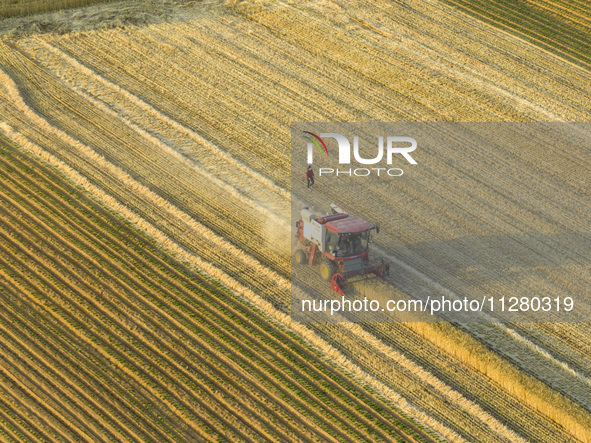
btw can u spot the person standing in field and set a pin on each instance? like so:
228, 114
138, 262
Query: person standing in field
310, 176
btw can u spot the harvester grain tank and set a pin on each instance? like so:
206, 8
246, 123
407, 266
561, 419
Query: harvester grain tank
339, 244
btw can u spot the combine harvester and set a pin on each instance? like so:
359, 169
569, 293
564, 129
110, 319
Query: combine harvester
340, 243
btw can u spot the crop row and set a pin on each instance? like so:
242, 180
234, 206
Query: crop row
115, 205
556, 33
272, 25
152, 205
108, 318
63, 288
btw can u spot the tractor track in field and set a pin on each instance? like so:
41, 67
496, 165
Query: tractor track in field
569, 343
498, 60
459, 380
424, 355
459, 376
146, 197
168, 196
373, 69
145, 118
571, 384
168, 106
404, 348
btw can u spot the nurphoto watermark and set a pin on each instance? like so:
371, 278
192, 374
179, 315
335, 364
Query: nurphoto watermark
458, 222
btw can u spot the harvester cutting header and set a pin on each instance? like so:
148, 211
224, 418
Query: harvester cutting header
339, 242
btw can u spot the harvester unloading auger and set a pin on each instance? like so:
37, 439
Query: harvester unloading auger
339, 242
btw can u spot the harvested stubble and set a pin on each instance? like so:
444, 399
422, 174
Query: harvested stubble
98, 162
12, 8
187, 359
228, 83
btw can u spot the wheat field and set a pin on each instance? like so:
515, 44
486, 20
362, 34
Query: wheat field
146, 192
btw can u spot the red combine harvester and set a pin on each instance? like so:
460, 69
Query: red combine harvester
340, 243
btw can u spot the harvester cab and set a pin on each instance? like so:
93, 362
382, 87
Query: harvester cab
339, 243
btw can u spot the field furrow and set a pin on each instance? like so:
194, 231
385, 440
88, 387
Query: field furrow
573, 12
81, 356
526, 20
42, 391
108, 345
78, 373
12, 418
46, 420
10, 429
116, 325
83, 282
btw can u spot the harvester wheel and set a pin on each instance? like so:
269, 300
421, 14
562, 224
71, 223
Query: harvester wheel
327, 269
300, 256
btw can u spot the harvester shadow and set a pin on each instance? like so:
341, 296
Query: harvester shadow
478, 261
520, 265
